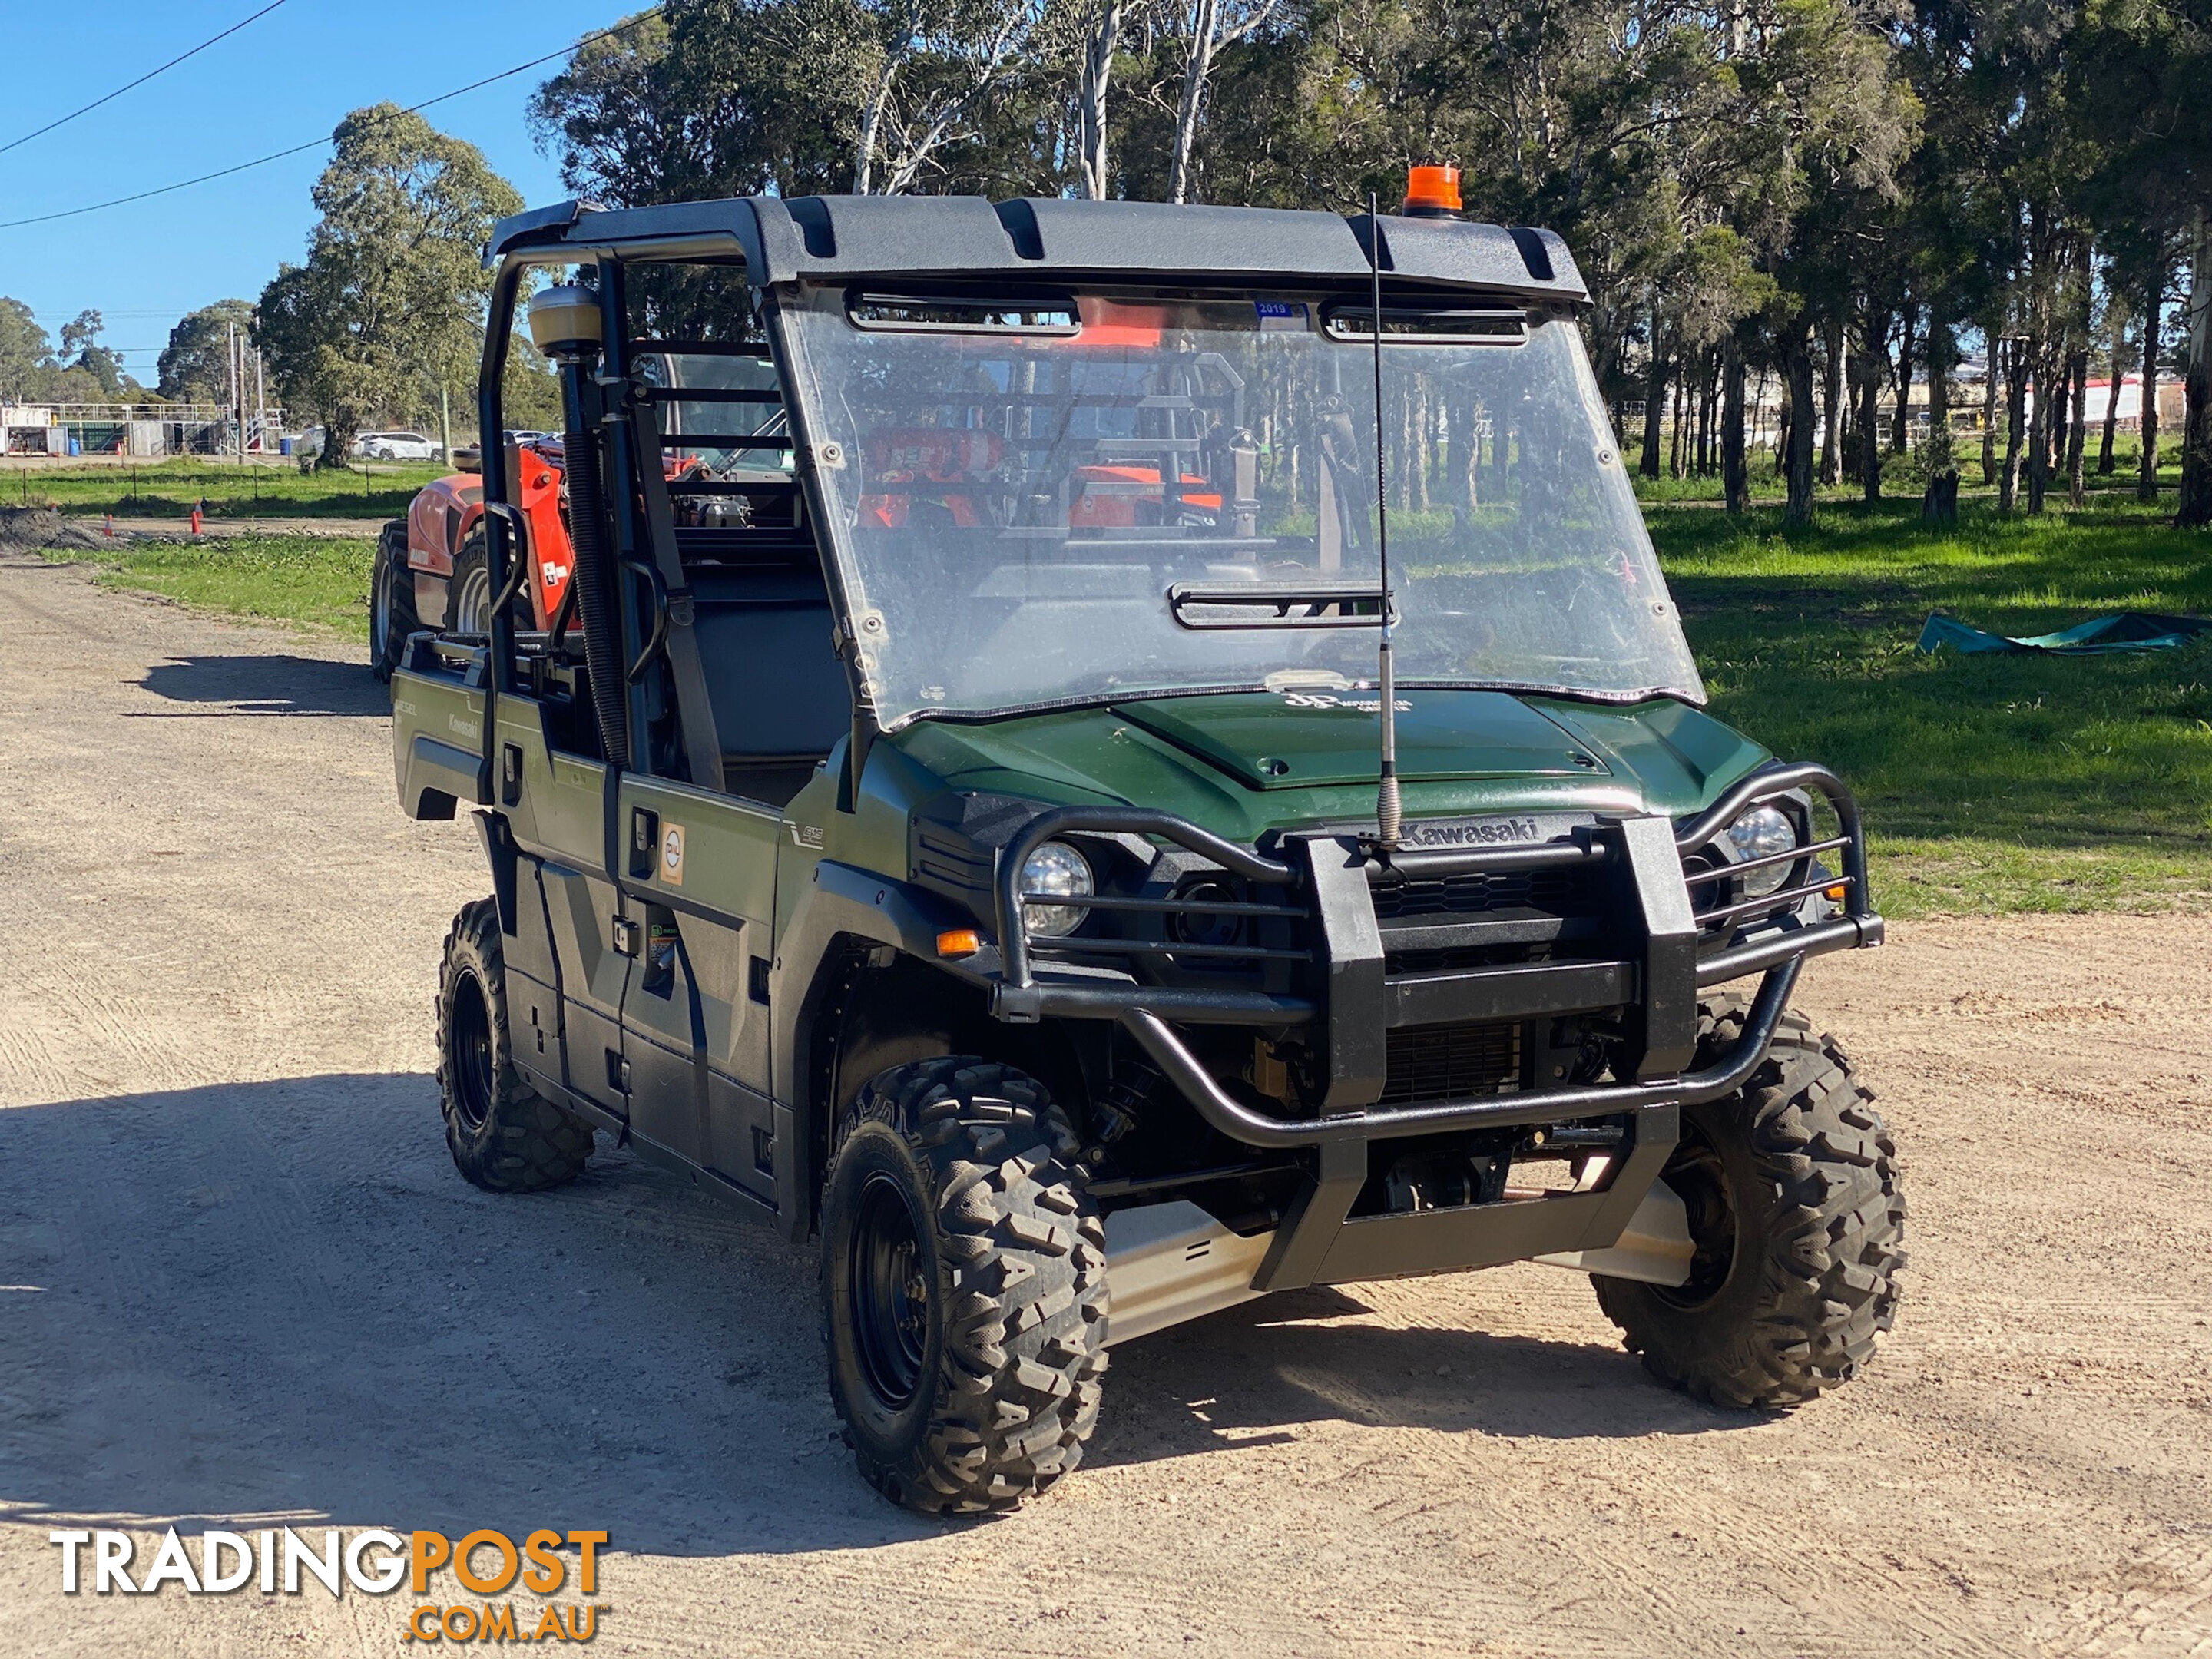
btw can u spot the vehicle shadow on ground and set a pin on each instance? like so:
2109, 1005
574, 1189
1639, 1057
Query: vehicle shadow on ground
256, 1303
273, 685
1252, 1375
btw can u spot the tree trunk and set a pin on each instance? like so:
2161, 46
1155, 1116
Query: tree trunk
1939, 502
2078, 372
1755, 416
1832, 404
2048, 401
2112, 393
1674, 439
1798, 360
872, 121
1460, 456
340, 428
2196, 428
1198, 69
1735, 476
1706, 396
1870, 417
1847, 438
1709, 409
1940, 350
2147, 484
1654, 402
1090, 97
1900, 431
2015, 355
1992, 349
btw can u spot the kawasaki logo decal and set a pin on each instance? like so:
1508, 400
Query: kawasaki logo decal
1532, 830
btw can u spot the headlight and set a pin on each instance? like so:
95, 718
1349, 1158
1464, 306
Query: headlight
1057, 869
1758, 833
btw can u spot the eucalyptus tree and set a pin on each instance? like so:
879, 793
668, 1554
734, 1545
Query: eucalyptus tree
1208, 28
26, 354
392, 299
2144, 71
194, 367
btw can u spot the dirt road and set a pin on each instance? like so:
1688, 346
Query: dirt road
181, 529
241, 1283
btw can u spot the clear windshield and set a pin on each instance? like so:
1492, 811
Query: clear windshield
1103, 497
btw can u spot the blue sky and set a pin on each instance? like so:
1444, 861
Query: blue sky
283, 80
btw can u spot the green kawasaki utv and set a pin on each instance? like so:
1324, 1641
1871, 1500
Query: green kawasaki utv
942, 817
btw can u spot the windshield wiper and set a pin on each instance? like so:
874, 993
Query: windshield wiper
1276, 604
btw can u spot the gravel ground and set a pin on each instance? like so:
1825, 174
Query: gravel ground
244, 1286
26, 529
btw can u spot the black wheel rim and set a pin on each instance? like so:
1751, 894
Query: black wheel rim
1700, 1180
468, 1052
889, 1295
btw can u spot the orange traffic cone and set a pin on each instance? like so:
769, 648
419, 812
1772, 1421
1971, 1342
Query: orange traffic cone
196, 520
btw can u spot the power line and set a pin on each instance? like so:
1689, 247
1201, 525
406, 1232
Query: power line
317, 143
103, 311
142, 79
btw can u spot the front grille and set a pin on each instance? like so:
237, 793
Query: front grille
1561, 892
1451, 1062
1463, 958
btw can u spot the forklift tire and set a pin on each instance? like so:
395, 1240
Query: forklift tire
391, 614
963, 1284
468, 593
1792, 1190
504, 1135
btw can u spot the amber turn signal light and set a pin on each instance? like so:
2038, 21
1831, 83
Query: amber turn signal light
959, 942
1836, 894
1432, 191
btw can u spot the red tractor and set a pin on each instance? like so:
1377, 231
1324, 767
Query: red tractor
432, 567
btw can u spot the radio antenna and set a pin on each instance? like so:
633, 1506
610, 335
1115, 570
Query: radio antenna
1387, 814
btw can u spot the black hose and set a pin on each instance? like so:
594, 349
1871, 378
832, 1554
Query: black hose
593, 577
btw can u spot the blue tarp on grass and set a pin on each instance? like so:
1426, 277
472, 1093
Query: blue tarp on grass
2130, 630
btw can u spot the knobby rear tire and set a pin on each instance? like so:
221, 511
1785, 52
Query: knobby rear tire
504, 1135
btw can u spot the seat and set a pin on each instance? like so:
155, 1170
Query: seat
780, 697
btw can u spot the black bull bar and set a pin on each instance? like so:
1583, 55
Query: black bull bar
1677, 955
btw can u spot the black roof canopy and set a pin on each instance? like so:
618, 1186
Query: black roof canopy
845, 237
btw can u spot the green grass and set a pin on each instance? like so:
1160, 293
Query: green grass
169, 489
1991, 783
309, 582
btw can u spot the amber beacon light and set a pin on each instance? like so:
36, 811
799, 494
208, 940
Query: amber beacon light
1432, 192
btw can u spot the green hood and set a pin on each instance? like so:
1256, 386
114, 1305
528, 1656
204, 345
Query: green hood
1244, 763
1301, 738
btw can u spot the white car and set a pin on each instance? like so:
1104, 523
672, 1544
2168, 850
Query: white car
397, 447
